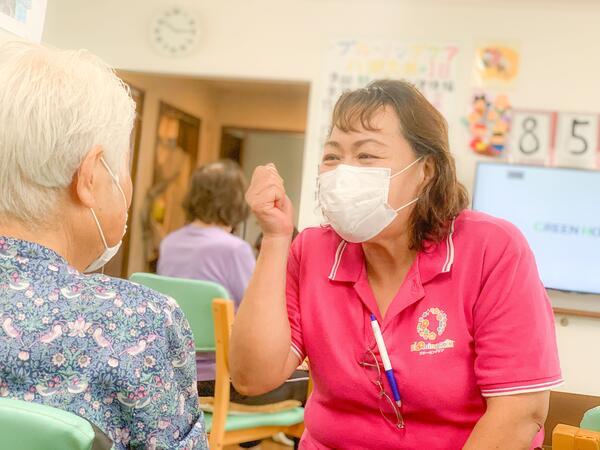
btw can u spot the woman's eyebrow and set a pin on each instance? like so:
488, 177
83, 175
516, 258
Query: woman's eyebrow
362, 142
334, 144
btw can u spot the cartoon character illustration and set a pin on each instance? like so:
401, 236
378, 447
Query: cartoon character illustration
489, 124
497, 63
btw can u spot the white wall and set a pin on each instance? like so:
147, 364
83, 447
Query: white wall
285, 39
286, 151
578, 339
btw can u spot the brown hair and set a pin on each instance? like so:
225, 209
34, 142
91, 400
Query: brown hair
216, 194
426, 130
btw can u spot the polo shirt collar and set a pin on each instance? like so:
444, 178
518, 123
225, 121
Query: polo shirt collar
347, 263
433, 260
437, 258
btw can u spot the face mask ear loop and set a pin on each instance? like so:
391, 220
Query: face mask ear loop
108, 169
99, 228
412, 202
115, 179
407, 167
99, 231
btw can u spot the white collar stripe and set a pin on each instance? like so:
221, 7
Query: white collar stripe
338, 258
527, 386
449, 251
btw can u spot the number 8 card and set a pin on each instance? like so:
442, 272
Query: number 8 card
531, 139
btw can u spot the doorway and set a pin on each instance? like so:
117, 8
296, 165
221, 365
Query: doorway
205, 110
177, 140
251, 148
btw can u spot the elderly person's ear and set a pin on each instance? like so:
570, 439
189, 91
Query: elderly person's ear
86, 181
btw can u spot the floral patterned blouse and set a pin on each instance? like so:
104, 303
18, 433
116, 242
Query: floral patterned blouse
112, 351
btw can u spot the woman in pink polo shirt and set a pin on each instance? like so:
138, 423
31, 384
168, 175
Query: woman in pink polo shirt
426, 324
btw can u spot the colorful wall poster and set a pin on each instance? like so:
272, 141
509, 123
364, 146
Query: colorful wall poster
352, 64
496, 65
489, 124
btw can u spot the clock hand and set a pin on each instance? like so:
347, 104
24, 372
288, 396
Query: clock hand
176, 30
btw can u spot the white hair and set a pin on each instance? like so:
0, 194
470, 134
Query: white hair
55, 107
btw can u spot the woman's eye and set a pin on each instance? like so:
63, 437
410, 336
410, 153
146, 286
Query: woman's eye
330, 157
366, 156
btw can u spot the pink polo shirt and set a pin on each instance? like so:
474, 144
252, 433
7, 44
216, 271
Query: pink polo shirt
471, 320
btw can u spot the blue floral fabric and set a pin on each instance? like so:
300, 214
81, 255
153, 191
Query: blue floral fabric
112, 351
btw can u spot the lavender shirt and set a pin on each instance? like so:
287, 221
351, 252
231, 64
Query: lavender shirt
209, 254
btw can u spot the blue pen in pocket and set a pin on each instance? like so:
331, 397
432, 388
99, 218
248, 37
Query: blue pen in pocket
387, 365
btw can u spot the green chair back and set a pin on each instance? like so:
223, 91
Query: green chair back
29, 426
591, 419
195, 300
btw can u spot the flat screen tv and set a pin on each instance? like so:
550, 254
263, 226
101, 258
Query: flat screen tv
558, 211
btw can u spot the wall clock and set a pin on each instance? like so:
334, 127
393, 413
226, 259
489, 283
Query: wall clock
175, 31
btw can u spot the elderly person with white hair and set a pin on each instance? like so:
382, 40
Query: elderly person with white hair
114, 352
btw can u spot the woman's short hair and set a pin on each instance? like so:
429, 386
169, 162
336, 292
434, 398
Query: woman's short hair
216, 194
55, 107
426, 130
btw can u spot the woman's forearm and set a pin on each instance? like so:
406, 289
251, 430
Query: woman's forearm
260, 356
490, 433
510, 423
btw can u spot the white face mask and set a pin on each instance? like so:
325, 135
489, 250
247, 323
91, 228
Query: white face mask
354, 200
109, 252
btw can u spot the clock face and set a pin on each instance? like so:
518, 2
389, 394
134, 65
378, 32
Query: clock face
175, 32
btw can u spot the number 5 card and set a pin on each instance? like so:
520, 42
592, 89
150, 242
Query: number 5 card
577, 140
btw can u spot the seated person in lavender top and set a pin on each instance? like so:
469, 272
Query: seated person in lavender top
205, 248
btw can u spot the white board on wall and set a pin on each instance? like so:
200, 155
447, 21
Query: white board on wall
352, 64
23, 18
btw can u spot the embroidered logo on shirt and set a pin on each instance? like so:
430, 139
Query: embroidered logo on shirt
427, 319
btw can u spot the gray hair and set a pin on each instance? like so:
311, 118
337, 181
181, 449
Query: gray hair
55, 107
